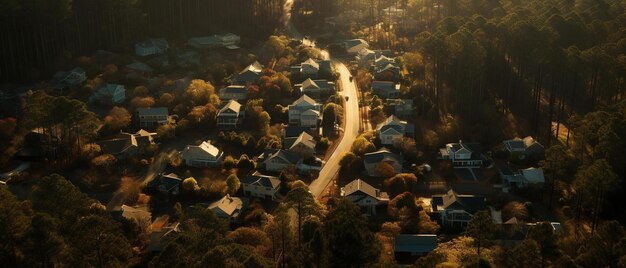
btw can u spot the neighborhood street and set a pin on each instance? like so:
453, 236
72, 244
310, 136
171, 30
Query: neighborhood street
351, 131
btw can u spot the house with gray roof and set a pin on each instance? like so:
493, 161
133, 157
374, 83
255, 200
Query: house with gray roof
521, 149
151, 47
521, 178
259, 185
249, 75
234, 92
305, 112
456, 210
303, 145
391, 130
125, 145
402, 108
230, 116
276, 160
109, 94
311, 69
166, 184
463, 155
353, 46
68, 79
385, 89
364, 195
228, 207
203, 155
373, 160
316, 89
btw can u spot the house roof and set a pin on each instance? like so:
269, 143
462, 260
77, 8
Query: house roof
168, 182
392, 122
287, 156
254, 67
388, 67
206, 148
515, 144
152, 111
355, 42
359, 185
118, 146
141, 214
309, 83
232, 105
304, 101
530, 142
311, 63
139, 66
304, 139
533, 175
418, 243
317, 84
227, 205
385, 86
295, 131
234, 89
452, 200
381, 155
260, 179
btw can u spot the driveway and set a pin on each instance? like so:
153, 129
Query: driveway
351, 131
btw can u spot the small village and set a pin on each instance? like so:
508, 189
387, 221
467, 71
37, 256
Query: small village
341, 147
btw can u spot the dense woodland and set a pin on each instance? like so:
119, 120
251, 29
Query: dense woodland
40, 36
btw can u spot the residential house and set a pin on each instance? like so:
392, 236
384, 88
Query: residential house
230, 116
109, 94
386, 89
521, 178
138, 69
203, 155
305, 112
188, 58
513, 231
523, 148
316, 89
389, 72
140, 215
463, 155
372, 161
259, 185
391, 130
276, 160
153, 116
228, 207
399, 107
303, 145
166, 184
409, 247
295, 131
353, 46
160, 237
365, 56
69, 79
229, 41
364, 195
125, 145
151, 47
382, 61
234, 92
249, 75
456, 210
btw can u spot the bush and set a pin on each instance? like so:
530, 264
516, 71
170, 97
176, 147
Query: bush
323, 144
190, 185
233, 184
403, 182
229, 163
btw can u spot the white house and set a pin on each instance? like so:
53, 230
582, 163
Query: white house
456, 210
278, 160
151, 47
228, 207
316, 88
373, 160
230, 115
391, 130
462, 155
109, 94
203, 155
234, 92
248, 75
305, 112
364, 195
303, 145
153, 117
259, 185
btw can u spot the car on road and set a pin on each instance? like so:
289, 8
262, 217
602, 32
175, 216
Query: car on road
346, 97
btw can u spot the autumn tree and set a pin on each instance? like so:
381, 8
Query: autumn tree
233, 184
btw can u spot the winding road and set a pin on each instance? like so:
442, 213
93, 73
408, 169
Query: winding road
351, 131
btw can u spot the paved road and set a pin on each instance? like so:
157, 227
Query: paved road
351, 131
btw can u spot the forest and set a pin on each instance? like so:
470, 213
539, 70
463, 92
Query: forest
40, 36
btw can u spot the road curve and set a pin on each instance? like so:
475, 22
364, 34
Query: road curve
351, 131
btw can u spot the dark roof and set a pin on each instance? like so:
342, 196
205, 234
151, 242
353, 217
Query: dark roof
288, 156
168, 181
264, 180
381, 155
452, 200
234, 89
420, 243
294, 131
117, 146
